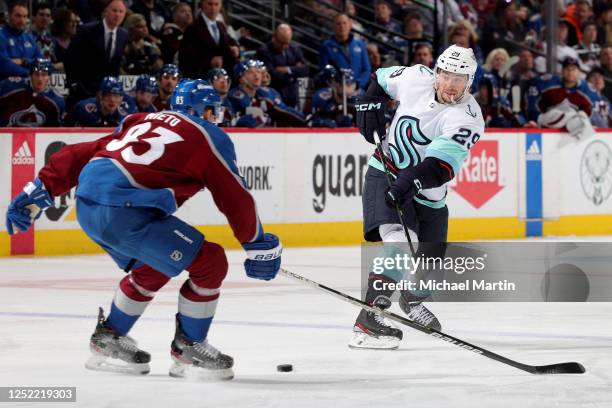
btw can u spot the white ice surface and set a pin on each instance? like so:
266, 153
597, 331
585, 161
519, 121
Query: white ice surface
48, 308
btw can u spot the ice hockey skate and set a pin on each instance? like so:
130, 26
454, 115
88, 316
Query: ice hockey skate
198, 361
418, 313
114, 352
371, 331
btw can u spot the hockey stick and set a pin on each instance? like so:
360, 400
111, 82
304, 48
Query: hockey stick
559, 368
398, 208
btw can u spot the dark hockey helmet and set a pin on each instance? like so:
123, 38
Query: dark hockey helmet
215, 73
146, 83
327, 74
111, 85
41, 64
242, 67
349, 76
169, 69
193, 96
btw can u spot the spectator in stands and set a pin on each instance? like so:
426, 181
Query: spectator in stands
145, 91
563, 50
155, 13
522, 75
88, 59
588, 50
105, 110
382, 18
206, 44
567, 101
253, 106
466, 29
342, 50
413, 29
63, 29
425, 9
168, 79
504, 28
495, 111
601, 109
220, 80
141, 55
578, 14
328, 104
492, 66
374, 56
41, 21
172, 32
31, 102
285, 63
605, 63
423, 54
351, 11
18, 49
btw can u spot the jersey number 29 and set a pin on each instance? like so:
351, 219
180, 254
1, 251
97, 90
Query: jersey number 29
157, 143
462, 138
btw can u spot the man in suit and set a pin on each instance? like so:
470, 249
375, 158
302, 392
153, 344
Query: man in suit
206, 44
95, 52
284, 62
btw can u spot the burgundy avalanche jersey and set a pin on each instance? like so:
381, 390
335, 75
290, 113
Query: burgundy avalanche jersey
20, 106
157, 160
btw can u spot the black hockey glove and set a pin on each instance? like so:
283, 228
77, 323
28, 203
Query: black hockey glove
371, 116
403, 190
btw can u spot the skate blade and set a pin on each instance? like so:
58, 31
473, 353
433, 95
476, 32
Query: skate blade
191, 373
104, 363
362, 340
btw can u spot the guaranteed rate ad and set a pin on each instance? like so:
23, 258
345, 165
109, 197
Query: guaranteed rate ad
491, 271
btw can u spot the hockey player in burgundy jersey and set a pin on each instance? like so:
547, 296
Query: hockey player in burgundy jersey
31, 102
129, 184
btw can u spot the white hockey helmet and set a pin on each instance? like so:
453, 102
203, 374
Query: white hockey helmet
458, 60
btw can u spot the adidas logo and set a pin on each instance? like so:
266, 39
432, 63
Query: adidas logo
533, 152
23, 155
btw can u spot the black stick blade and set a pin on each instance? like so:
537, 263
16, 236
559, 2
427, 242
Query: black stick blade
561, 368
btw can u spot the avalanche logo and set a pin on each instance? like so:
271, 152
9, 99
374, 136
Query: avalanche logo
30, 117
406, 134
478, 179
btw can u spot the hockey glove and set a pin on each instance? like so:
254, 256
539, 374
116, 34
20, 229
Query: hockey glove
27, 207
264, 257
405, 187
371, 116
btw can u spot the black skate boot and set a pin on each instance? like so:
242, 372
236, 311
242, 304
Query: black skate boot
199, 360
114, 352
371, 331
417, 312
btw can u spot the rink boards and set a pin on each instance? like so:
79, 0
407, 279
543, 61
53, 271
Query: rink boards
308, 187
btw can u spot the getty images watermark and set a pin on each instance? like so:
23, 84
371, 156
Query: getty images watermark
492, 271
417, 272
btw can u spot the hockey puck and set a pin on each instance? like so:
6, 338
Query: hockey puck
284, 368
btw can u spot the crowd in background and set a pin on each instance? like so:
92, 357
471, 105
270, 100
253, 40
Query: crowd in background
94, 42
